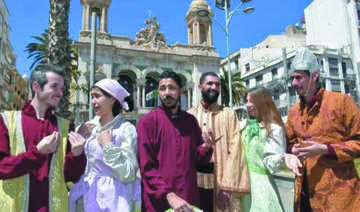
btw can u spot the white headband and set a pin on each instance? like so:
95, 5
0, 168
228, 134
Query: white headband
114, 88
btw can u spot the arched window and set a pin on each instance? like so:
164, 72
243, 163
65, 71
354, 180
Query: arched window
150, 94
184, 97
127, 80
127, 83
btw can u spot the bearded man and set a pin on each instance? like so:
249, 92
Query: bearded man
170, 147
222, 182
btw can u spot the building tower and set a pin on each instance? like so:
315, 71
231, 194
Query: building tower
102, 7
199, 21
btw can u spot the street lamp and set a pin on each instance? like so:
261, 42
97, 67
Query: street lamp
94, 13
225, 5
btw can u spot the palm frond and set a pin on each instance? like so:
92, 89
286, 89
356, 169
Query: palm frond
38, 50
238, 88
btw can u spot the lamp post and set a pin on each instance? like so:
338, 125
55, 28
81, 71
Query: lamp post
94, 13
225, 5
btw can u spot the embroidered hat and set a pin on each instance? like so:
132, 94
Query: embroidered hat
114, 88
304, 60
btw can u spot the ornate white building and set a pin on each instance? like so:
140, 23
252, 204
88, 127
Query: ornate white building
138, 64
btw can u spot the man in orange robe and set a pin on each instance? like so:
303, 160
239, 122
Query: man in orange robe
323, 130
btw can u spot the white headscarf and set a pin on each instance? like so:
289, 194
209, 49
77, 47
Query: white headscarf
114, 88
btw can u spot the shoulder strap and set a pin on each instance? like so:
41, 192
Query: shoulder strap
58, 198
14, 193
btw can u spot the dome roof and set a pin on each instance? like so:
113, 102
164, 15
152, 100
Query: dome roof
96, 3
199, 3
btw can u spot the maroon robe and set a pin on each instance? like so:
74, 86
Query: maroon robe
32, 161
170, 148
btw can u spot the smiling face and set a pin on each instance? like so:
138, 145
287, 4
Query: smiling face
210, 89
102, 104
52, 91
252, 111
169, 93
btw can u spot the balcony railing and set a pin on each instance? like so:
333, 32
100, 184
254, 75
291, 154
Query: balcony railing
350, 76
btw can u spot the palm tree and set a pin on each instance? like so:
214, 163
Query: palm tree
59, 48
238, 88
38, 50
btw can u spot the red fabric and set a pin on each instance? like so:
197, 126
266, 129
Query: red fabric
32, 161
170, 147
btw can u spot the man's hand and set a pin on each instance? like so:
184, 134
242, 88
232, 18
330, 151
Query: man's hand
105, 137
294, 150
177, 203
77, 142
224, 200
309, 149
49, 143
293, 163
85, 129
209, 139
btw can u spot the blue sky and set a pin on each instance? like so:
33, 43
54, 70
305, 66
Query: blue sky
127, 17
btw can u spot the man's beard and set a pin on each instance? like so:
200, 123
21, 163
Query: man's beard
170, 107
209, 99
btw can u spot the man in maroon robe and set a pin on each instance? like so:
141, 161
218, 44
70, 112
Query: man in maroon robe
170, 147
41, 138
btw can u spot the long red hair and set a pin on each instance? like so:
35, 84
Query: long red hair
266, 109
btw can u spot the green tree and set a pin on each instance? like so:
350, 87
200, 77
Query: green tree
59, 48
55, 47
238, 88
38, 50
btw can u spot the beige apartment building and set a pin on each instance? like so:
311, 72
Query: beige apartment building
18, 90
14, 89
334, 39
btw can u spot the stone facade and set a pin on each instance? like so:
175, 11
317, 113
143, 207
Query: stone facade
336, 74
340, 31
138, 64
18, 90
13, 88
268, 63
5, 56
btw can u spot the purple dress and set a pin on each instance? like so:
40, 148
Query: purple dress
109, 182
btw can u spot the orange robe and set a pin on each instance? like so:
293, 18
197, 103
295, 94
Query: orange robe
333, 183
231, 173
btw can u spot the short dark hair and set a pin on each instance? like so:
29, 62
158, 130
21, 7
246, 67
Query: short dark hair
39, 74
172, 75
204, 75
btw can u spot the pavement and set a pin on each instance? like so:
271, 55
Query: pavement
285, 182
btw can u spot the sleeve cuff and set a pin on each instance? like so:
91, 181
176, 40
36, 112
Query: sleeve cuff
290, 148
36, 152
331, 151
40, 157
107, 147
